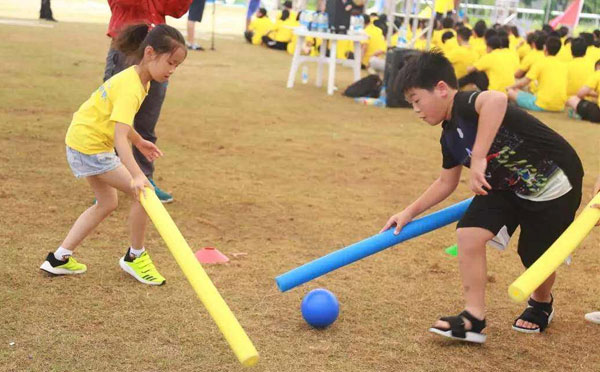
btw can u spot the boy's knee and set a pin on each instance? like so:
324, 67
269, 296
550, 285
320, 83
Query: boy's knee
471, 238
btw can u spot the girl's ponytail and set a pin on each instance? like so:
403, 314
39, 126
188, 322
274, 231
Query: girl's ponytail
130, 40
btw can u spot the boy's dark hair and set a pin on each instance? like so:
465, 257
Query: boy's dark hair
547, 28
287, 4
373, 14
568, 40
489, 33
540, 40
425, 71
285, 14
493, 42
578, 47
530, 38
447, 35
503, 36
515, 31
588, 37
458, 25
554, 34
367, 19
563, 31
135, 38
464, 33
480, 28
553, 45
298, 15
447, 22
398, 21
596, 33
262, 11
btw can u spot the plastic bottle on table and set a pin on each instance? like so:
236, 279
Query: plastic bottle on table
304, 74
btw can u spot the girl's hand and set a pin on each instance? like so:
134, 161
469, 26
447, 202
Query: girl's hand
399, 219
138, 184
478, 181
149, 150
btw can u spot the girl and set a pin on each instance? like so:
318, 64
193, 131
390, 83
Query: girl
104, 122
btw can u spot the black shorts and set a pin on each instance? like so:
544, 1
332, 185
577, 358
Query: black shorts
196, 10
588, 111
541, 222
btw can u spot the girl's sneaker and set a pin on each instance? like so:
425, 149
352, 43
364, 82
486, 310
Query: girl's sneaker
57, 267
141, 268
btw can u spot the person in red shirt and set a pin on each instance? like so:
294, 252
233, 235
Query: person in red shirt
151, 12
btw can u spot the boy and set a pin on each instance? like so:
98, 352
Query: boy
523, 173
260, 26
587, 110
463, 56
551, 76
496, 67
538, 40
579, 68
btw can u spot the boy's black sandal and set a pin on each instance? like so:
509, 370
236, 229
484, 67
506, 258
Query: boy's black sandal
540, 313
457, 329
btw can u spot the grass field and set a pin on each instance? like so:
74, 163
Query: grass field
282, 175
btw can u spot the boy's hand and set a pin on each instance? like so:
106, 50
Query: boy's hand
478, 181
138, 185
399, 219
149, 150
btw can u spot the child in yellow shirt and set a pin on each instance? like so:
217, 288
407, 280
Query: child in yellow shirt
587, 110
551, 75
259, 27
463, 55
104, 123
281, 34
579, 68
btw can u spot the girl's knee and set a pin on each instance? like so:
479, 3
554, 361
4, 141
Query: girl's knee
107, 205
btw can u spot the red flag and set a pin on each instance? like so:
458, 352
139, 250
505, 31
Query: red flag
570, 17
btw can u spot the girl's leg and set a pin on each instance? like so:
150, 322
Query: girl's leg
473, 270
137, 216
106, 202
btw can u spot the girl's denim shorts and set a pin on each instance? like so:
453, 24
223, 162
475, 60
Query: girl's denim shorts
84, 165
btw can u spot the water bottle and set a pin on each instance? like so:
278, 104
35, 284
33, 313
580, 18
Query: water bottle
352, 25
312, 21
303, 20
325, 23
401, 38
361, 23
304, 74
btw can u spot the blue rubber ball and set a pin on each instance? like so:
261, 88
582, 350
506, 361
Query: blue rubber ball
320, 308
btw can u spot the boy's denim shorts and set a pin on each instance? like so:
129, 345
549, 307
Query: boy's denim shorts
527, 101
84, 165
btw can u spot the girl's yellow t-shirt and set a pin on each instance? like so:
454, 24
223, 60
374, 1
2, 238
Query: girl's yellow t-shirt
92, 130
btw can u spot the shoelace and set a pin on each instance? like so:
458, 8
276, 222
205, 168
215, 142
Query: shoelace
144, 261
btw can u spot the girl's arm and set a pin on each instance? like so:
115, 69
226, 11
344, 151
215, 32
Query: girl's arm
126, 156
147, 148
491, 107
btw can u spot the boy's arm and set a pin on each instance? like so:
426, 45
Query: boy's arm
584, 91
439, 190
521, 83
491, 107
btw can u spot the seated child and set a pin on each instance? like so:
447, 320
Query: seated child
587, 110
258, 27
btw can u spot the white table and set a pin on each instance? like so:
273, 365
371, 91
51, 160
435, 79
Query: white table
298, 59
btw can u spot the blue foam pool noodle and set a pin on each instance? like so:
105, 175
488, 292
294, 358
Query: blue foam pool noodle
369, 246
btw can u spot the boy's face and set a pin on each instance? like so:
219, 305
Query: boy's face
431, 106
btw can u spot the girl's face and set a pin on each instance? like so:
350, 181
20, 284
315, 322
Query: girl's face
162, 66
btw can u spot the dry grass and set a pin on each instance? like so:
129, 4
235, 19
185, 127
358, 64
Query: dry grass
282, 175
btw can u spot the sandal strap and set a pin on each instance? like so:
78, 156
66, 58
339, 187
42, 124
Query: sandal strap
457, 326
476, 324
537, 313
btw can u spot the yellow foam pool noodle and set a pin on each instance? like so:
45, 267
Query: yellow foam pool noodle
205, 289
536, 274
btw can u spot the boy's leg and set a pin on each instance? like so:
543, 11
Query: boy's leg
473, 270
573, 101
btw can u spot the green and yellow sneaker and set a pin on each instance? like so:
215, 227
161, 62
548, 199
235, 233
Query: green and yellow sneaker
57, 267
141, 268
